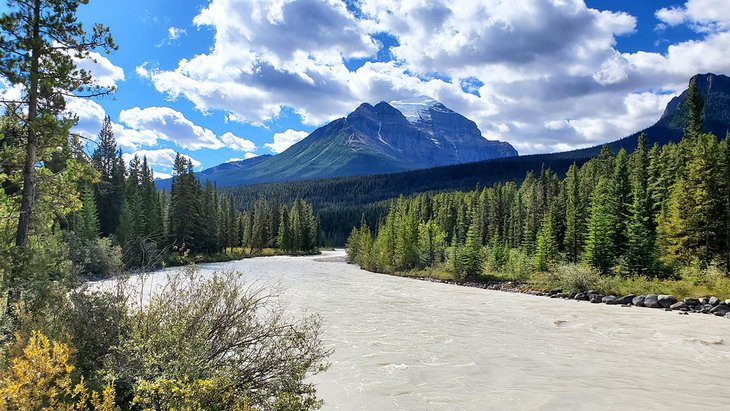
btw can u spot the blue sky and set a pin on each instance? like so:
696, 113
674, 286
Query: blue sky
221, 79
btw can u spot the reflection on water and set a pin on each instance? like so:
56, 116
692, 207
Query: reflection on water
415, 345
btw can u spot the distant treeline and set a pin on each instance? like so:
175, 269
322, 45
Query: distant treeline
647, 213
124, 206
341, 202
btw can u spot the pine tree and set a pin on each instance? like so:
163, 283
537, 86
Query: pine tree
693, 104
620, 192
547, 248
431, 244
468, 259
109, 191
86, 221
284, 241
599, 247
42, 41
575, 216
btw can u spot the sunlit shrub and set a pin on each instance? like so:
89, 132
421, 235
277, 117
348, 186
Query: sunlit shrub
574, 277
41, 377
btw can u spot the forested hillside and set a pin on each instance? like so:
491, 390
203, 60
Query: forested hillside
654, 212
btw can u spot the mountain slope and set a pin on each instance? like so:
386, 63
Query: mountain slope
371, 140
341, 200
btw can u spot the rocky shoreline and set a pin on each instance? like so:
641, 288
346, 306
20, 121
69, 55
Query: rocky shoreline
701, 305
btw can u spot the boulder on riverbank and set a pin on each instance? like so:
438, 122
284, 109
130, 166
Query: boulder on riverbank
720, 310
652, 301
680, 305
595, 298
610, 300
666, 301
638, 301
627, 299
581, 297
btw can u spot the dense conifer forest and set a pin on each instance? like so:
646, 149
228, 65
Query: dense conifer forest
121, 205
651, 213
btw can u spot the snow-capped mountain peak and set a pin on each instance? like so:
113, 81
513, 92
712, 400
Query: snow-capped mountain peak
416, 109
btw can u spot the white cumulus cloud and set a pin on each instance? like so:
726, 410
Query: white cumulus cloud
703, 16
237, 143
163, 158
169, 124
284, 140
102, 70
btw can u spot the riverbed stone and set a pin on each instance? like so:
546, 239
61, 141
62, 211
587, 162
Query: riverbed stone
720, 310
666, 300
679, 305
692, 301
638, 301
652, 301
581, 297
595, 298
706, 308
610, 300
727, 302
713, 301
627, 299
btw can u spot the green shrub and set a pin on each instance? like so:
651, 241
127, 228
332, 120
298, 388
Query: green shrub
95, 258
193, 329
576, 278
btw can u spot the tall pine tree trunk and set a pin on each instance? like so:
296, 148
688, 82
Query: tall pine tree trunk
29, 182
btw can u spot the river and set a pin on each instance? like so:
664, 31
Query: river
415, 345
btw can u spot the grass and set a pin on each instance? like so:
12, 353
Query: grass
237, 253
690, 282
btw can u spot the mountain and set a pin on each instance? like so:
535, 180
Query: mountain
342, 201
715, 92
385, 138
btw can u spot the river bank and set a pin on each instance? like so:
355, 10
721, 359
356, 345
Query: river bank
707, 304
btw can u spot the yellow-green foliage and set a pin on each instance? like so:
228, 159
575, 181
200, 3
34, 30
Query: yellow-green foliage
692, 282
183, 394
41, 378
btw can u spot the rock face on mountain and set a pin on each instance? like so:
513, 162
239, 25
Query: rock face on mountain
422, 133
715, 92
407, 135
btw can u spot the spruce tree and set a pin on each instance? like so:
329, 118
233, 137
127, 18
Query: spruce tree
468, 259
621, 195
702, 186
86, 220
109, 191
575, 216
641, 255
547, 248
693, 104
599, 247
284, 241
